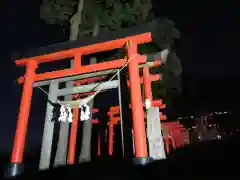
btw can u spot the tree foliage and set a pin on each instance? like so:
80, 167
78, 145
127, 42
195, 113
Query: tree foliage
114, 15
57, 11
170, 84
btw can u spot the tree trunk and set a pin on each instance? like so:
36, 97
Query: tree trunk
85, 154
61, 154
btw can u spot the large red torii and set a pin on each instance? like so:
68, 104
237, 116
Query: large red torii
31, 77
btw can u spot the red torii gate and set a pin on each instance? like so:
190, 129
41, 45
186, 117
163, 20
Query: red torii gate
176, 134
31, 76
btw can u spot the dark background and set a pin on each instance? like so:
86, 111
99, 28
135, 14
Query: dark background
208, 49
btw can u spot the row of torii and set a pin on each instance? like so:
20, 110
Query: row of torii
174, 133
84, 72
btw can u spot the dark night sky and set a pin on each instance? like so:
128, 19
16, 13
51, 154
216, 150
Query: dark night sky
208, 49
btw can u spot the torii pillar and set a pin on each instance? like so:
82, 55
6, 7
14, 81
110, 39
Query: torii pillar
139, 129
